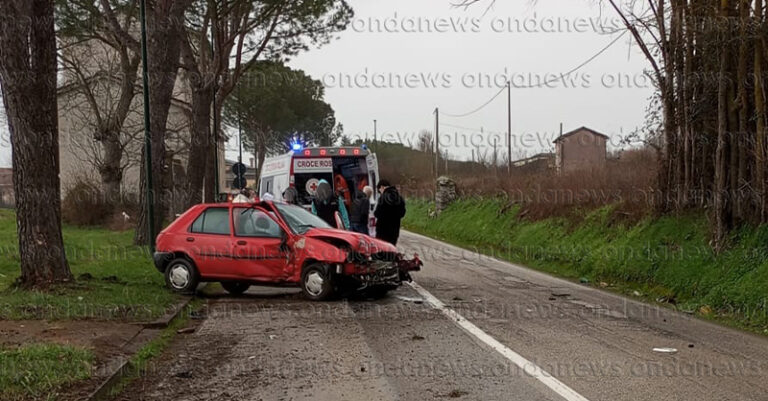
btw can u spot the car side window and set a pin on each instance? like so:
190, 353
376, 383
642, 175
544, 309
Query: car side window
212, 221
255, 223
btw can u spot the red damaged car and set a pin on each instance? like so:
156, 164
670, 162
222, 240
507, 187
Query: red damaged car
270, 243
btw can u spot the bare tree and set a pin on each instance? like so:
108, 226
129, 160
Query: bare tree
243, 33
101, 60
165, 27
426, 142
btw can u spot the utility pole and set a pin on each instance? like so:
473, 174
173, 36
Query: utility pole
240, 137
437, 142
215, 119
495, 157
147, 134
375, 134
509, 127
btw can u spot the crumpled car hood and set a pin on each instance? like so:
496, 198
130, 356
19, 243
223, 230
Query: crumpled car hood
359, 242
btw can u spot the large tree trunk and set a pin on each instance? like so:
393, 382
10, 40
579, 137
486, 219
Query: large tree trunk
211, 191
165, 27
28, 75
111, 169
200, 144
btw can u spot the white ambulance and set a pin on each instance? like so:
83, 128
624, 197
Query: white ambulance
347, 169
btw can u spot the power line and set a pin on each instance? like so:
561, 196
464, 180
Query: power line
477, 109
561, 77
580, 66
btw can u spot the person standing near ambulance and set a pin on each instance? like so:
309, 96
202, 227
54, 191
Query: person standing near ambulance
361, 209
389, 211
326, 204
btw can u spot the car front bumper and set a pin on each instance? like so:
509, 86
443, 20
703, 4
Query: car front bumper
389, 273
161, 260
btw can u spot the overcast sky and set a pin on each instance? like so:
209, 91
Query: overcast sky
400, 59
526, 41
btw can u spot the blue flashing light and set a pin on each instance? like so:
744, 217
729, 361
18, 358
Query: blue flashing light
365, 147
296, 147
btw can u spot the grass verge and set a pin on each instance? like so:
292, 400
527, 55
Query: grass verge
115, 280
39, 371
666, 259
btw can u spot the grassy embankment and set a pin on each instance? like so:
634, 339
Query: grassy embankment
114, 281
665, 259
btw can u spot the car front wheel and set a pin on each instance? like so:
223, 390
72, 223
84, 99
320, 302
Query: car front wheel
317, 283
235, 287
181, 276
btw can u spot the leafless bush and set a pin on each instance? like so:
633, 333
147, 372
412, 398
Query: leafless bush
628, 182
85, 205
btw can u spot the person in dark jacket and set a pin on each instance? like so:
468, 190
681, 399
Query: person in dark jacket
361, 208
389, 211
326, 204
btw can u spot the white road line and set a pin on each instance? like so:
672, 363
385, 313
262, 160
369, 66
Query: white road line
527, 366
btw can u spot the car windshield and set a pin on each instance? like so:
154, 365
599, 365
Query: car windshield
299, 219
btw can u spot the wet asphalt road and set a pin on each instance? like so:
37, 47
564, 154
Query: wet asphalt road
270, 344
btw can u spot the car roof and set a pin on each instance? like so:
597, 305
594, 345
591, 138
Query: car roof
256, 202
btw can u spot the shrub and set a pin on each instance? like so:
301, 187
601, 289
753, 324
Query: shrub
85, 205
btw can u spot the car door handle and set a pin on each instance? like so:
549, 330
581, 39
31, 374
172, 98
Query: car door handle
190, 239
241, 242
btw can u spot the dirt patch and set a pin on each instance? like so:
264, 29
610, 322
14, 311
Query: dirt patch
105, 339
110, 342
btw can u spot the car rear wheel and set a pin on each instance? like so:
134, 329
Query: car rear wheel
181, 276
235, 287
317, 283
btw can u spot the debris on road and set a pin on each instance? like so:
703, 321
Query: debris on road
665, 350
184, 375
187, 330
417, 301
417, 337
666, 300
457, 393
